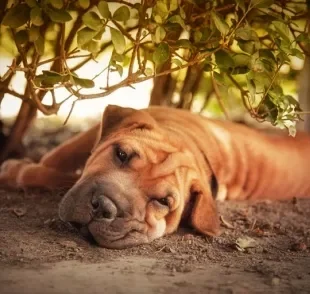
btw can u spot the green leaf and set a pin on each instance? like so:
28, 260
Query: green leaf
256, 64
251, 87
118, 68
84, 3
57, 15
58, 4
248, 46
103, 8
207, 64
16, 16
177, 62
117, 57
39, 45
84, 83
262, 3
21, 37
34, 33
282, 30
197, 36
98, 37
219, 78
177, 19
118, 41
158, 19
184, 43
207, 67
206, 33
160, 11
160, 34
91, 46
246, 34
267, 58
240, 3
297, 53
223, 60
182, 13
92, 20
241, 64
161, 54
283, 57
161, 6
267, 54
173, 5
85, 35
31, 3
148, 72
261, 79
36, 16
303, 37
220, 23
50, 78
122, 14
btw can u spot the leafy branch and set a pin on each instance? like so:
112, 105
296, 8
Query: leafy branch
246, 41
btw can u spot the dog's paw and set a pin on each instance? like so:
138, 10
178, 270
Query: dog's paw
9, 171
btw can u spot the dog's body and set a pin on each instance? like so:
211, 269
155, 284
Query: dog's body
149, 169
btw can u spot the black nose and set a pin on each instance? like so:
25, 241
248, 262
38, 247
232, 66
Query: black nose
103, 207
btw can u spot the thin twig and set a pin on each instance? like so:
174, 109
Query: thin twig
135, 50
218, 96
70, 112
15, 94
244, 93
123, 31
135, 77
59, 57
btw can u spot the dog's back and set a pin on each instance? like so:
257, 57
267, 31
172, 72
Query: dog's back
247, 163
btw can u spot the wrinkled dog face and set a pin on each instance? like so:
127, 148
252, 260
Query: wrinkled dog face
134, 187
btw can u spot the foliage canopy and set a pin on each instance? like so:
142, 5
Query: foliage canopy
241, 44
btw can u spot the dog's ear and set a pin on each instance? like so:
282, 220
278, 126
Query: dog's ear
204, 216
116, 117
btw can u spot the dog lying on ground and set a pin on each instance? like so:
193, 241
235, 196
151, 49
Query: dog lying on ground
146, 170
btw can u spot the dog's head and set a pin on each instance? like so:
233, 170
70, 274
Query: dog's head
137, 185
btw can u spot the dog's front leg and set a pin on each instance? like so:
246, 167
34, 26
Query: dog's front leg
72, 154
57, 169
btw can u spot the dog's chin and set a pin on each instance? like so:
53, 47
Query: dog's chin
116, 240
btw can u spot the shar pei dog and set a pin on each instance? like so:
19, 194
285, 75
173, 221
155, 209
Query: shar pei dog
145, 171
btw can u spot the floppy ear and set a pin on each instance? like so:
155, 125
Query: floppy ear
204, 216
115, 117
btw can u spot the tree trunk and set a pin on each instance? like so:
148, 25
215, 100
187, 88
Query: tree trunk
13, 145
163, 88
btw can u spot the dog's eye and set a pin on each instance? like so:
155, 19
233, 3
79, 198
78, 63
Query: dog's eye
163, 201
121, 155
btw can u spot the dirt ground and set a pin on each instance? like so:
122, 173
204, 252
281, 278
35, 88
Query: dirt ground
264, 248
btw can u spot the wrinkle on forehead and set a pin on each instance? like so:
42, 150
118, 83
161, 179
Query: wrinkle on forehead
172, 162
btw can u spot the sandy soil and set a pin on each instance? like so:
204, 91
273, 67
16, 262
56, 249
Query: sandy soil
264, 247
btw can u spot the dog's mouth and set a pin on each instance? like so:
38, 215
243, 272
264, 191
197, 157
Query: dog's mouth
84, 232
96, 234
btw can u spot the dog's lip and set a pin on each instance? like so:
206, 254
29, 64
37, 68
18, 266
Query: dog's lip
87, 235
106, 238
116, 243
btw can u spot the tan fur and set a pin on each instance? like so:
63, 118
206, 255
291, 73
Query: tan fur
180, 153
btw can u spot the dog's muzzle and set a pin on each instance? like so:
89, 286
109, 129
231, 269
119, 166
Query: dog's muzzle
87, 202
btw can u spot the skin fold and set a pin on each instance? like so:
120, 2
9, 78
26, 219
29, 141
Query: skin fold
145, 171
